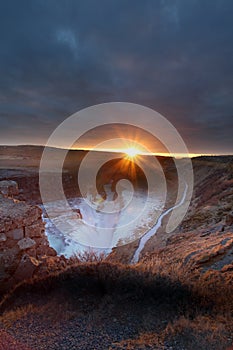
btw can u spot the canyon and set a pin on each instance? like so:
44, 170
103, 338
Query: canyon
177, 295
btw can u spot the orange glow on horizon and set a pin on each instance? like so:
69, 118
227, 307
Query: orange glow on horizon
142, 153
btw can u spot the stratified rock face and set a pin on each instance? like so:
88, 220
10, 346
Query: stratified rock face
23, 244
9, 188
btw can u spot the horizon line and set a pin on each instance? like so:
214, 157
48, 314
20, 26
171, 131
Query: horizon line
112, 150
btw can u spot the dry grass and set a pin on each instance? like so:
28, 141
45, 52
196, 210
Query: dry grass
10, 317
88, 256
198, 306
203, 332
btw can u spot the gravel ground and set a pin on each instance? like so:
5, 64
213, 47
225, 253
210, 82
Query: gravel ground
87, 323
75, 313
7, 342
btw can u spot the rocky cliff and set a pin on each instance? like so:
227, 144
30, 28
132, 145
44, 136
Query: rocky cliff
24, 248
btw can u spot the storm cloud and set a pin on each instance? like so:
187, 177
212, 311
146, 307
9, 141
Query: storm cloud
175, 56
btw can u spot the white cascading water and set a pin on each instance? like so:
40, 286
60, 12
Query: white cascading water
97, 226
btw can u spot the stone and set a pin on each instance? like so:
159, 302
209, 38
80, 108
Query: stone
26, 268
33, 214
26, 243
8, 225
40, 241
34, 230
16, 234
229, 219
43, 250
32, 252
9, 188
3, 237
9, 258
8, 244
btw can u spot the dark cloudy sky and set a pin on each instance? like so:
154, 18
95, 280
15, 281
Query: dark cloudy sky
175, 56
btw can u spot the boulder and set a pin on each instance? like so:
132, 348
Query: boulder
9, 188
26, 267
34, 230
9, 260
2, 237
26, 243
7, 256
16, 234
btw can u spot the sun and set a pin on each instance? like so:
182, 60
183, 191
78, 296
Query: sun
131, 152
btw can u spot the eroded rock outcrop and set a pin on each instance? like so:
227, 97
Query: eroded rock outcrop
24, 246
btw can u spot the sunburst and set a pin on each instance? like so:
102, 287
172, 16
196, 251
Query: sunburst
131, 152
